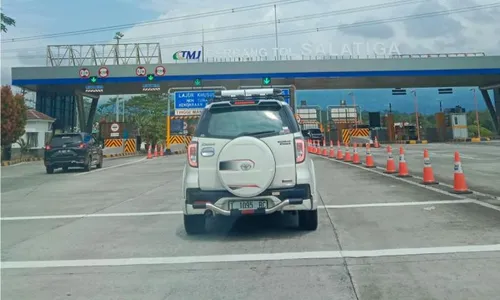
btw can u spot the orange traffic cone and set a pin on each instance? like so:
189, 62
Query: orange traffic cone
347, 157
390, 167
369, 158
403, 166
149, 153
309, 145
325, 148
315, 151
375, 143
156, 151
428, 172
339, 151
355, 156
459, 184
161, 150
332, 151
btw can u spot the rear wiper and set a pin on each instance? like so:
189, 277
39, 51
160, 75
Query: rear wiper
257, 133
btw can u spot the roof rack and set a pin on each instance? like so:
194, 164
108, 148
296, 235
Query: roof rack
254, 94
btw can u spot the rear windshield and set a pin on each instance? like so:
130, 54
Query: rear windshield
315, 130
60, 140
235, 121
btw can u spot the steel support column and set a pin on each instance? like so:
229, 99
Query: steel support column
90, 119
493, 108
81, 112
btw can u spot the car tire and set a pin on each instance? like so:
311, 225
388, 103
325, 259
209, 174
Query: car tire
49, 170
99, 165
87, 165
308, 219
194, 224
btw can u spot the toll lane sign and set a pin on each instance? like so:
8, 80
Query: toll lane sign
191, 102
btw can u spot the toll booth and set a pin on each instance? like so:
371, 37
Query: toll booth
456, 124
405, 131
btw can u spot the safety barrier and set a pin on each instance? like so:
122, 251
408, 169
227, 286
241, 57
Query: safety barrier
130, 146
113, 143
179, 139
348, 133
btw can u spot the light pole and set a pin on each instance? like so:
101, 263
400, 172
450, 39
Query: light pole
118, 36
416, 113
477, 113
356, 110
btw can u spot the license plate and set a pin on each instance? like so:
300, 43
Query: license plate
63, 151
249, 204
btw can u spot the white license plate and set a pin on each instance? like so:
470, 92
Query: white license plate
63, 151
249, 204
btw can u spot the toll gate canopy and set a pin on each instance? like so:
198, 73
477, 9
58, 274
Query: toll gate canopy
68, 78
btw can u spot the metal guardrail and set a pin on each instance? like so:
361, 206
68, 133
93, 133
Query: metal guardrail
328, 57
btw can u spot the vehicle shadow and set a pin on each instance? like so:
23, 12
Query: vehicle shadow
247, 228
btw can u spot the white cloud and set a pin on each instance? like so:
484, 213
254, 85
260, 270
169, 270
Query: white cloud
452, 33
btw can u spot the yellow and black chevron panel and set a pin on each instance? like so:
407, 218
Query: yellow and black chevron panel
130, 146
111, 143
184, 117
348, 133
179, 139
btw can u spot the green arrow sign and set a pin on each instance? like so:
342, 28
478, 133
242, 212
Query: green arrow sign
93, 79
151, 77
266, 80
197, 82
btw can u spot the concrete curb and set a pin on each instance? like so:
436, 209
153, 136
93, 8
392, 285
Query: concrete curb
472, 140
17, 161
122, 155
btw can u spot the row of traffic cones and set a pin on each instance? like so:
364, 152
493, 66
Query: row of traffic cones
459, 182
156, 152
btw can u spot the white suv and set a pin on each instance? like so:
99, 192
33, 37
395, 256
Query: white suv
248, 157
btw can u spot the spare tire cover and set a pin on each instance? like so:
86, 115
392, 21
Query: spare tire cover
246, 166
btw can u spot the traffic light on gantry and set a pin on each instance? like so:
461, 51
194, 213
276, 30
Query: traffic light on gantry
266, 81
93, 79
150, 77
197, 82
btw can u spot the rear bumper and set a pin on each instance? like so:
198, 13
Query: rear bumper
297, 198
73, 162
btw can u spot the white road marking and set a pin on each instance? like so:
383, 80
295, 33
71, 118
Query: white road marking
160, 213
155, 213
392, 204
112, 167
246, 257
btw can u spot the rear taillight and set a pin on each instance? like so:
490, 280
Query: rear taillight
82, 145
48, 147
300, 150
192, 154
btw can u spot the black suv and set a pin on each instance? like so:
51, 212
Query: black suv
314, 134
72, 150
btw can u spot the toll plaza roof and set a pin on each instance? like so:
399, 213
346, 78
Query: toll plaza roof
304, 74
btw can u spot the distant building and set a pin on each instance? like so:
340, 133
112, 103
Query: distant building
38, 132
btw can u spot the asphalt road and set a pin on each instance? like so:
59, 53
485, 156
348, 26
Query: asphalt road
480, 162
117, 233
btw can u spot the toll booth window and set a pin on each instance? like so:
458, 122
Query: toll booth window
456, 120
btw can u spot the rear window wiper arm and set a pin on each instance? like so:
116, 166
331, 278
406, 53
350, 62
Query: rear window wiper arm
256, 133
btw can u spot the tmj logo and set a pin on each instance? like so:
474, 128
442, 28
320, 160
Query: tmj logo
186, 55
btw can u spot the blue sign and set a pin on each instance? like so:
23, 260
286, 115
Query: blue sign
192, 99
286, 93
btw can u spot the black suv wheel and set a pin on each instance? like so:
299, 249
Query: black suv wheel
308, 219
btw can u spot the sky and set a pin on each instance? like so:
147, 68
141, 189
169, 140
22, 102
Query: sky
345, 27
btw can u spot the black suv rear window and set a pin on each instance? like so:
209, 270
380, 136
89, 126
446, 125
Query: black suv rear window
59, 140
235, 121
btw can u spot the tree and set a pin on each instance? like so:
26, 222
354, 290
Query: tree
13, 116
7, 21
148, 113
